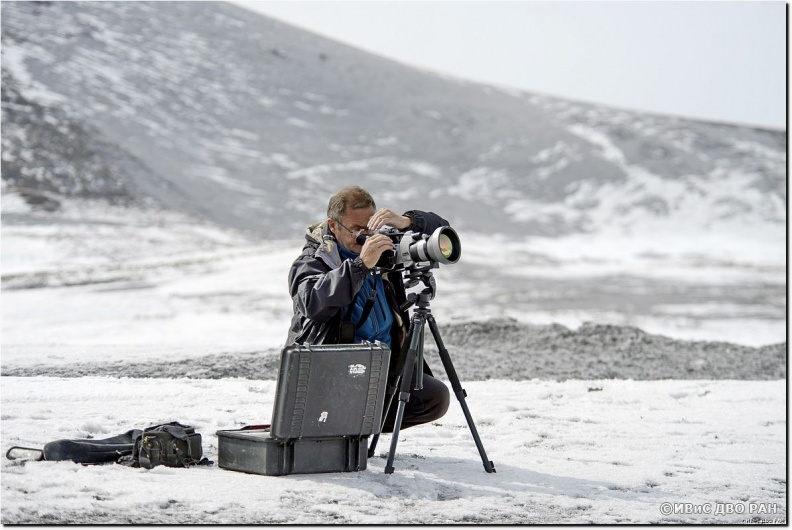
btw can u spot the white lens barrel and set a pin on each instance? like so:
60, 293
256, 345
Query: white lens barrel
442, 246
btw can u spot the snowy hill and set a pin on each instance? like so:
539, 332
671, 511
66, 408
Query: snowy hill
251, 123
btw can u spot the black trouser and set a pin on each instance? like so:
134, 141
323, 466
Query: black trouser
425, 405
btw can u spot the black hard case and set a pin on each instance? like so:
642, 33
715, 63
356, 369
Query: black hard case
330, 390
328, 400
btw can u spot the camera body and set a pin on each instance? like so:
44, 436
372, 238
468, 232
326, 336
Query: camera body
388, 259
442, 246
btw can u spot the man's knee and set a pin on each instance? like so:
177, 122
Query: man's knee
431, 402
436, 401
424, 406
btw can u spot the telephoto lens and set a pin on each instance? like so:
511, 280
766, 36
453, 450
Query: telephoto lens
443, 246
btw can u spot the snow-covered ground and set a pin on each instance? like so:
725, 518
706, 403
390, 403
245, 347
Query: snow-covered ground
573, 452
724, 286
119, 284
93, 285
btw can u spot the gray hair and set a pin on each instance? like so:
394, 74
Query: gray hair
353, 197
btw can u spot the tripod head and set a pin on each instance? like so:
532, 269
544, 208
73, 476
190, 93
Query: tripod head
422, 274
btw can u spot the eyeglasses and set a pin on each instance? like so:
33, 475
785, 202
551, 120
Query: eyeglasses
355, 233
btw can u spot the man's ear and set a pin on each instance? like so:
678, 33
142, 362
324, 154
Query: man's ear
331, 224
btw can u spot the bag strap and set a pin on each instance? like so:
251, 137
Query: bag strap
367, 308
142, 453
369, 303
348, 328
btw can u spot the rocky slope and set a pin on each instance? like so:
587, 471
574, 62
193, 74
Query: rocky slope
251, 123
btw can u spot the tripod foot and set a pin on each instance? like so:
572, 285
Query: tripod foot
489, 468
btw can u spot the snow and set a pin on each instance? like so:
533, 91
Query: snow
14, 60
101, 285
485, 184
298, 123
699, 256
573, 452
424, 169
188, 306
220, 176
120, 283
608, 150
586, 264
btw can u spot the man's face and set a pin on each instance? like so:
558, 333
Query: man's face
353, 223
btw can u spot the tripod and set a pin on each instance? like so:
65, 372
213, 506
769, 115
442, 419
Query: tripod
415, 360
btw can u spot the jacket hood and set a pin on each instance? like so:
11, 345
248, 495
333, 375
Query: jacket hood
326, 245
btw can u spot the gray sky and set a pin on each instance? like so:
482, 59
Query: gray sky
716, 60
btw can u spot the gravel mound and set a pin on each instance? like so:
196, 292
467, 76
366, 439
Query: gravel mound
245, 365
503, 349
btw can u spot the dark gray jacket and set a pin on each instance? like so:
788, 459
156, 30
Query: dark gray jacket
322, 285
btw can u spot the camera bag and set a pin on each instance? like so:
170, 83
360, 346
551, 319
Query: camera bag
328, 400
170, 444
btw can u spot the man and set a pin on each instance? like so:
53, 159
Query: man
332, 281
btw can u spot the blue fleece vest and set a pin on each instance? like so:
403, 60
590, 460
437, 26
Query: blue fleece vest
380, 320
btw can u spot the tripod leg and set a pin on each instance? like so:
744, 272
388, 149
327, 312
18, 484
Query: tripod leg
404, 390
459, 392
389, 393
373, 445
419, 359
403, 398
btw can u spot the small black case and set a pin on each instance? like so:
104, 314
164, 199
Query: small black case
256, 451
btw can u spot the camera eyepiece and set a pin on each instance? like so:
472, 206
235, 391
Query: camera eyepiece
387, 230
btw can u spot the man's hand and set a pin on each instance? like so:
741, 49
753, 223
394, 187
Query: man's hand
373, 249
388, 217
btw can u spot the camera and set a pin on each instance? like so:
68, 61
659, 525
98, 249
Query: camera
443, 246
